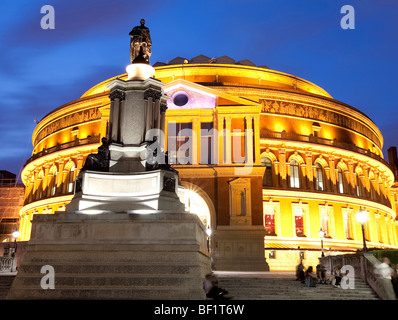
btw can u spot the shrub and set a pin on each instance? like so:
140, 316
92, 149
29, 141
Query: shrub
392, 254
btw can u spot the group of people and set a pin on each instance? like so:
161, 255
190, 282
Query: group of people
311, 278
385, 272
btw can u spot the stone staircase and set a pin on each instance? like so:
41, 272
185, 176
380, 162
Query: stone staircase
287, 288
98, 279
5, 285
266, 286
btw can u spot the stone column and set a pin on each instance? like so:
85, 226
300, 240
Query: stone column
326, 179
220, 138
333, 180
303, 182
275, 168
162, 124
105, 120
282, 167
45, 178
310, 174
351, 179
156, 113
227, 141
28, 187
79, 163
249, 139
366, 180
60, 176
257, 159
149, 116
152, 100
195, 140
117, 97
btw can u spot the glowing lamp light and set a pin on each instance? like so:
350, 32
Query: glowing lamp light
321, 233
208, 231
362, 216
16, 234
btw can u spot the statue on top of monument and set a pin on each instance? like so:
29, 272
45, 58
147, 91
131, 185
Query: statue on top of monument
140, 44
98, 161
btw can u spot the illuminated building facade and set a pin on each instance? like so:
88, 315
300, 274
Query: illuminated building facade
266, 160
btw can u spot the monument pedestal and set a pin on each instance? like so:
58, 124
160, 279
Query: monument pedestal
140, 192
115, 256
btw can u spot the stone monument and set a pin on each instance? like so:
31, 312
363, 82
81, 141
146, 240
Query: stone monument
125, 234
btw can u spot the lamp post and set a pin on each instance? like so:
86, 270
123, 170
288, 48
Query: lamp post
362, 217
15, 235
321, 235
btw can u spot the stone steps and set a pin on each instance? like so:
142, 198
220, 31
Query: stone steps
95, 280
5, 285
104, 292
102, 268
290, 289
106, 275
143, 286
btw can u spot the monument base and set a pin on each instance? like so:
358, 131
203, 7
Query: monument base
142, 192
114, 256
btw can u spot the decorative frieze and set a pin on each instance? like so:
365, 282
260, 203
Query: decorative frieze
309, 112
67, 121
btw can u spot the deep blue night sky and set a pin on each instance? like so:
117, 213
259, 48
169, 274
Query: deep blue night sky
41, 70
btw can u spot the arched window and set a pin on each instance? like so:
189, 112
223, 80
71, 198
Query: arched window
53, 184
30, 189
39, 186
340, 180
71, 179
357, 185
267, 178
319, 177
51, 178
294, 174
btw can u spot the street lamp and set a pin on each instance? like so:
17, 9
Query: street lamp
362, 218
15, 235
321, 235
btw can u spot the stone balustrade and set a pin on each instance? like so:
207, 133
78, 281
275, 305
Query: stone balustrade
363, 265
8, 264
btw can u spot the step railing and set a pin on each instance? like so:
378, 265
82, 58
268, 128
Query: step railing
363, 265
8, 264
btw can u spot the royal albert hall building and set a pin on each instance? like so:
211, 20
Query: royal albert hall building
266, 160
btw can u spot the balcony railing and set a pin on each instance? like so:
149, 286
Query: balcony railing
364, 265
8, 264
323, 141
63, 146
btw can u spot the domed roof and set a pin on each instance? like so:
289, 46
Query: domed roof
203, 69
204, 59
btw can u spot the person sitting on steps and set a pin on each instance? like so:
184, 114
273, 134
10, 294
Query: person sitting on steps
311, 278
